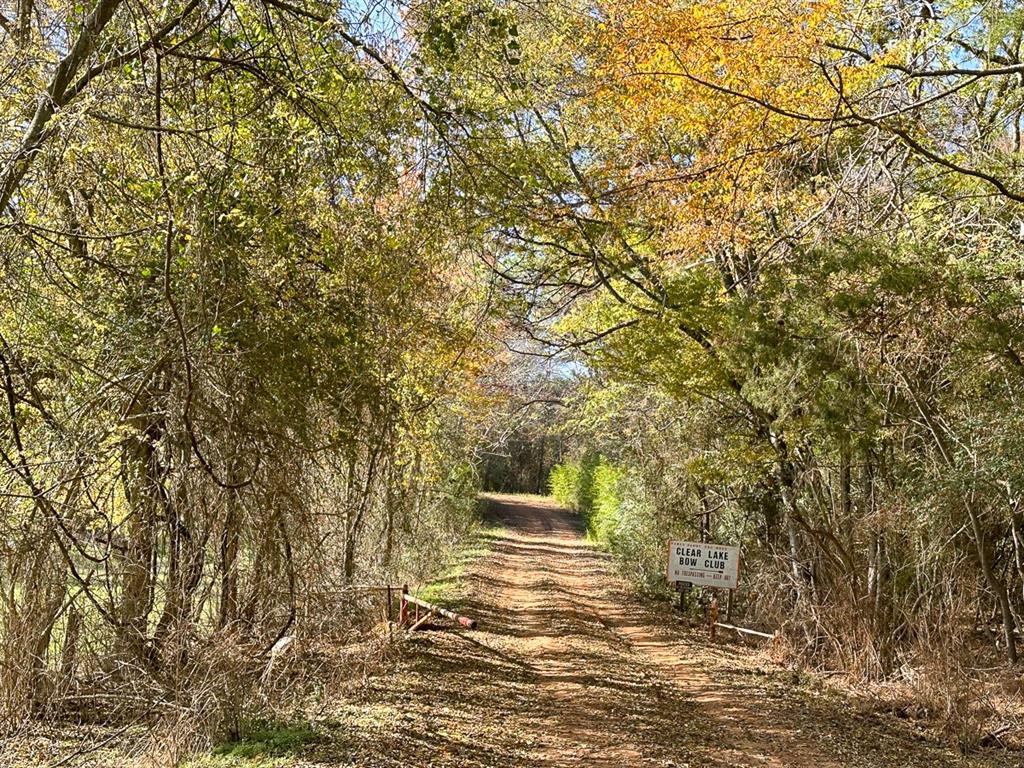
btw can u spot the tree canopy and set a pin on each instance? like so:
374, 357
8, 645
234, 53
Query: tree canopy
271, 269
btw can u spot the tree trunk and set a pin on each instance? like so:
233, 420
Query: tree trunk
994, 583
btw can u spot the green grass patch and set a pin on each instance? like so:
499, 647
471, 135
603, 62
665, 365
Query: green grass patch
264, 745
444, 589
231, 761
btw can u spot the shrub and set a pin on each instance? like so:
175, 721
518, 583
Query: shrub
563, 482
591, 487
616, 510
604, 512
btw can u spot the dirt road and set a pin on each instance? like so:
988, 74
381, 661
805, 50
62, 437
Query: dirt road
566, 670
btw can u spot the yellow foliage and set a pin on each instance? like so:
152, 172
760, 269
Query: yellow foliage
725, 92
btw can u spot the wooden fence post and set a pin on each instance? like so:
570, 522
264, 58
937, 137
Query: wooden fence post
713, 616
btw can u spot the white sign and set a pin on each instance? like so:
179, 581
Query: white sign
702, 564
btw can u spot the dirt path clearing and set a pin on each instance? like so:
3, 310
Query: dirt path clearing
566, 670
